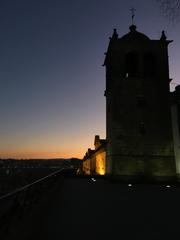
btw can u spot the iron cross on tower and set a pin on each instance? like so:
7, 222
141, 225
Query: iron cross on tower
132, 14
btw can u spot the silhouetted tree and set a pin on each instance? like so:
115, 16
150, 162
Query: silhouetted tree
171, 9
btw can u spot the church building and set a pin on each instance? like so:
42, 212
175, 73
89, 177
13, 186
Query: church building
139, 133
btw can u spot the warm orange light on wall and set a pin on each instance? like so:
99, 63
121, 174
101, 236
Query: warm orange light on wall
86, 167
102, 171
100, 163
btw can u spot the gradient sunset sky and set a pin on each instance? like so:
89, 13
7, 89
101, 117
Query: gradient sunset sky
52, 81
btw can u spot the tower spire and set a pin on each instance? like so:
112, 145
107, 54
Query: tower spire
132, 10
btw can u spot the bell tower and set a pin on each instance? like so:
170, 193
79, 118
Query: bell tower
138, 115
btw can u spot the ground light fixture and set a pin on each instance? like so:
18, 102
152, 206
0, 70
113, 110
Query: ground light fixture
93, 179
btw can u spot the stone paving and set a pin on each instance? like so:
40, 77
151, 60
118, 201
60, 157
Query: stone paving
98, 209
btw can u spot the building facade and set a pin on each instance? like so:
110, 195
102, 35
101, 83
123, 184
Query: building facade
94, 161
175, 99
138, 108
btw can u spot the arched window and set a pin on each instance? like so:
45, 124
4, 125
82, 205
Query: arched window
131, 64
150, 64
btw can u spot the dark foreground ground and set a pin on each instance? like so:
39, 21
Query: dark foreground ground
85, 209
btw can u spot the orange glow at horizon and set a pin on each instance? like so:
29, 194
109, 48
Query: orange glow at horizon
53, 145
41, 155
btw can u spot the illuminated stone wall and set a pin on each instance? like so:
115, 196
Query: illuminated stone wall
138, 108
93, 164
96, 163
86, 167
101, 163
95, 159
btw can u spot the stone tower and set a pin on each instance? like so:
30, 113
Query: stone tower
138, 115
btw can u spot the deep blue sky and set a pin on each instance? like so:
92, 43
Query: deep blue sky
51, 74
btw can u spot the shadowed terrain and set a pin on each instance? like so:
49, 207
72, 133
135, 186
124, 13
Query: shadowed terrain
81, 208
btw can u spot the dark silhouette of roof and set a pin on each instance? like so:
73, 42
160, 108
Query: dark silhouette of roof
134, 35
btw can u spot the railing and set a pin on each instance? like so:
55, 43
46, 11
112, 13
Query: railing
15, 204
